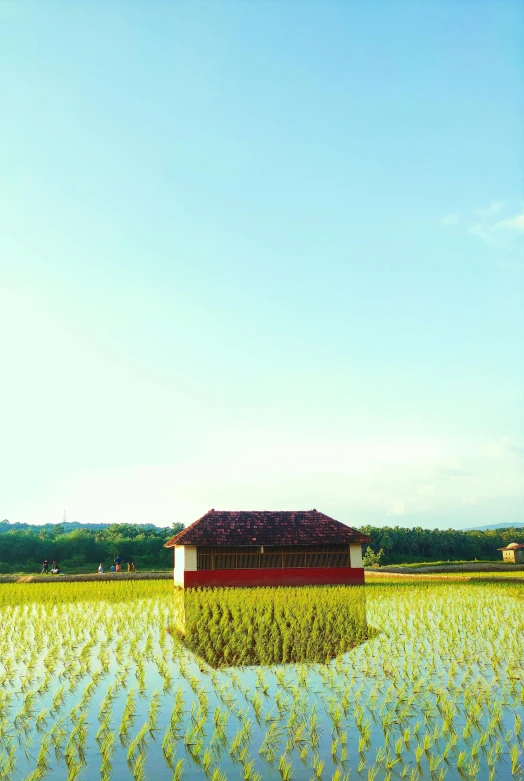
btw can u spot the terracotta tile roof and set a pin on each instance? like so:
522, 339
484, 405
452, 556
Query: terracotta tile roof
301, 527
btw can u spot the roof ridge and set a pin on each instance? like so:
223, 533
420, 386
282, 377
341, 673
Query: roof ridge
277, 527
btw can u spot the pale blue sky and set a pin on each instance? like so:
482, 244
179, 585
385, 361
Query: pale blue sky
262, 255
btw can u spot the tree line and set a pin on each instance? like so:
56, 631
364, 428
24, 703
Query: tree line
402, 545
83, 549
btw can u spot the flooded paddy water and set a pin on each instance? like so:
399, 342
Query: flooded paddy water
416, 680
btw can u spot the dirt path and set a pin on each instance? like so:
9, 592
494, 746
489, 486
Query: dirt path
86, 577
454, 576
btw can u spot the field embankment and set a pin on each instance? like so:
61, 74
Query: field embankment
480, 567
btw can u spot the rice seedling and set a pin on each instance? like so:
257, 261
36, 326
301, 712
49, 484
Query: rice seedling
7, 760
178, 770
515, 754
338, 775
128, 717
154, 708
139, 743
285, 769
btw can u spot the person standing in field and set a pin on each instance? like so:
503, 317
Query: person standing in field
133, 568
100, 569
45, 567
118, 562
129, 566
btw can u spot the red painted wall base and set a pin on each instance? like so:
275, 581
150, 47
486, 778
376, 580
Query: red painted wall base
289, 576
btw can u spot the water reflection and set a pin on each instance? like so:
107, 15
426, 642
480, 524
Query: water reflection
230, 627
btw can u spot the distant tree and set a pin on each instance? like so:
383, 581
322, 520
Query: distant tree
370, 557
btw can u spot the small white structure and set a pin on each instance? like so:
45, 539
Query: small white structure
513, 553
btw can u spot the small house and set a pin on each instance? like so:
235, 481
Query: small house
513, 553
263, 548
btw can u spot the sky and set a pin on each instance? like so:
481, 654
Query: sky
262, 255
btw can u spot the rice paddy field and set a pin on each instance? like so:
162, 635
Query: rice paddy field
413, 679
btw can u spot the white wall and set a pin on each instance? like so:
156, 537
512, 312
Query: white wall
179, 564
355, 555
185, 560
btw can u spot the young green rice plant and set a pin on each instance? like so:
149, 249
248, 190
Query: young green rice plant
169, 747
285, 768
313, 728
284, 684
208, 760
516, 768
74, 767
107, 750
35, 775
257, 706
41, 720
58, 700
128, 718
271, 742
153, 710
76, 745
178, 770
373, 771
104, 728
339, 775
193, 741
220, 719
7, 760
317, 767
138, 766
138, 744
249, 773
42, 761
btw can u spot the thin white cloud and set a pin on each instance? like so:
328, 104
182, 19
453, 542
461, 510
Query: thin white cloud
450, 219
515, 224
489, 211
489, 237
501, 235
398, 508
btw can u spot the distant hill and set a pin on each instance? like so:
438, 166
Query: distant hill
492, 526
